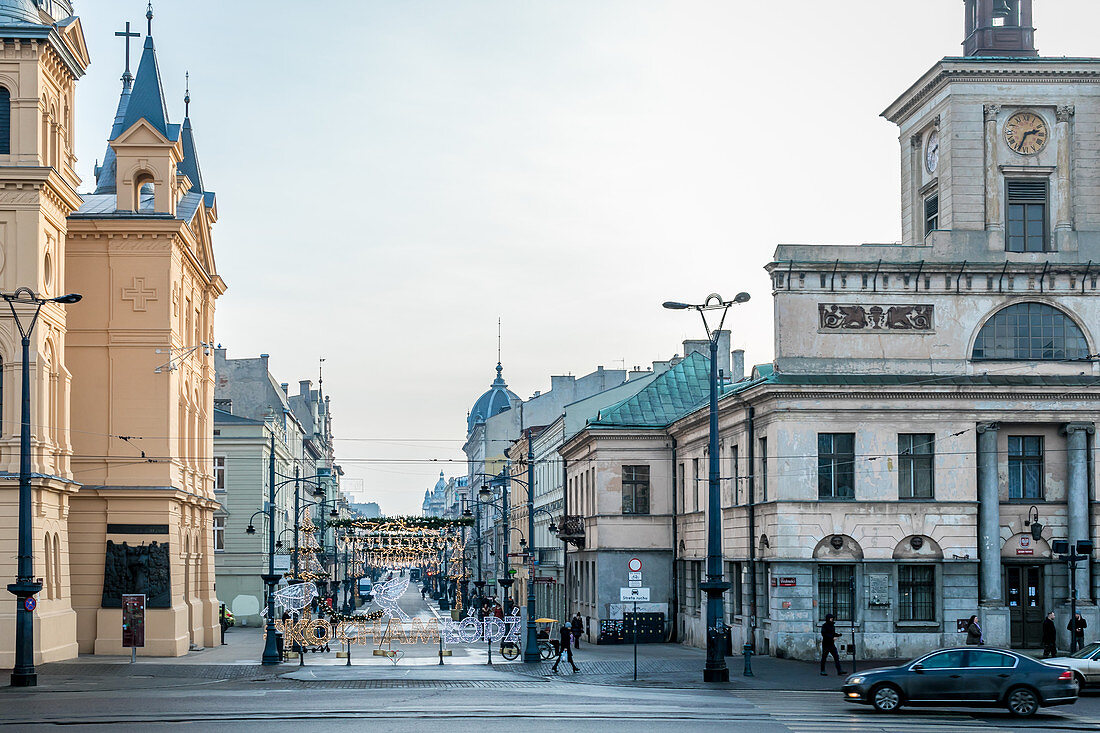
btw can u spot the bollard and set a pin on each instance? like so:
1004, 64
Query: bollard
747, 651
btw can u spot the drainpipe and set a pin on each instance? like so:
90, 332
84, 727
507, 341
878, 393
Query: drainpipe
751, 635
675, 606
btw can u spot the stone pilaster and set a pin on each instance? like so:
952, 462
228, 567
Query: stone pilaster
989, 517
1063, 202
994, 221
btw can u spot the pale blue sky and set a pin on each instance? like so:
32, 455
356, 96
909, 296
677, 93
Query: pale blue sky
393, 175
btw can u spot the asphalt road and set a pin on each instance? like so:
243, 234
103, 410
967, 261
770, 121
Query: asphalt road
286, 705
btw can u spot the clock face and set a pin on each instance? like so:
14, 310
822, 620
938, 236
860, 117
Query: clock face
1026, 133
932, 151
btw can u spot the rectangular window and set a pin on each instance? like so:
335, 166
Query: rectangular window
735, 478
835, 588
931, 213
836, 465
635, 489
681, 490
694, 591
219, 534
1027, 216
219, 473
763, 469
915, 465
694, 484
1025, 467
917, 593
733, 595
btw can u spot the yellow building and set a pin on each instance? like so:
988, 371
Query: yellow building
123, 382
41, 59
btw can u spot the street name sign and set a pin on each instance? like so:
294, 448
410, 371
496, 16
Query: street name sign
634, 594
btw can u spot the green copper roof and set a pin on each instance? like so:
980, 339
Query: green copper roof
670, 396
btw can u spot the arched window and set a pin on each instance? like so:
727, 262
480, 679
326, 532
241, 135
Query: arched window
1030, 332
48, 554
5, 121
58, 586
144, 193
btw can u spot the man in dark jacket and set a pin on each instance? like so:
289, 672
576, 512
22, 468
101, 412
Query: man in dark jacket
578, 628
565, 648
828, 644
1076, 628
1050, 637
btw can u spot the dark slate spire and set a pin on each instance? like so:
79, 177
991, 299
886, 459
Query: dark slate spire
189, 166
147, 100
105, 174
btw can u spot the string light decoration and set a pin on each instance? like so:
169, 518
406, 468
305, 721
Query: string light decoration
309, 565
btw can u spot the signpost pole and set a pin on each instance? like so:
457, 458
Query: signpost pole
635, 641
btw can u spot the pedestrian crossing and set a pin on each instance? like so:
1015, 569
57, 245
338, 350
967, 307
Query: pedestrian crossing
816, 712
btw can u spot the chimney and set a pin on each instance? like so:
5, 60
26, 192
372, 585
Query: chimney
737, 371
702, 346
305, 386
286, 388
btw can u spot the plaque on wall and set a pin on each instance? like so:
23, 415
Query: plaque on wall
137, 569
878, 590
890, 318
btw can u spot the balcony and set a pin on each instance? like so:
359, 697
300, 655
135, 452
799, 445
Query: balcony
572, 530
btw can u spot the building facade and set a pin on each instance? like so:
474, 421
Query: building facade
44, 55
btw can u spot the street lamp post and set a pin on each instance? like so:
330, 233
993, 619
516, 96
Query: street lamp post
272, 654
25, 586
715, 669
531, 650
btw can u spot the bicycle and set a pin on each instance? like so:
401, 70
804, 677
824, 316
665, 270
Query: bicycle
509, 650
546, 650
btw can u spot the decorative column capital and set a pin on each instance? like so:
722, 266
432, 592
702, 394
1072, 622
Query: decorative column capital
1064, 112
989, 427
991, 112
1087, 427
916, 141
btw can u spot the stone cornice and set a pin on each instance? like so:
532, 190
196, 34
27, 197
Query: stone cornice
993, 71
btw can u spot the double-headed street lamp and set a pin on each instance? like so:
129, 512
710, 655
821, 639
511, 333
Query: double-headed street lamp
25, 586
715, 669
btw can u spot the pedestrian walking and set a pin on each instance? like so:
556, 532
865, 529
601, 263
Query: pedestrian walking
223, 621
1050, 637
423, 592
828, 644
498, 612
974, 632
578, 628
1076, 628
564, 647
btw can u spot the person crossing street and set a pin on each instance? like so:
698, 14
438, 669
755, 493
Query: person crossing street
565, 647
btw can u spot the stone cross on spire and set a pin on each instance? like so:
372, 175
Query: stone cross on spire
127, 77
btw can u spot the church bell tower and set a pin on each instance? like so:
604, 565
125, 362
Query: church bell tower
1000, 28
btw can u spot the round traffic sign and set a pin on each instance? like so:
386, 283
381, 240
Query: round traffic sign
29, 603
635, 565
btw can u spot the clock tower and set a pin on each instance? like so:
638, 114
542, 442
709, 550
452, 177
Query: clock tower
998, 146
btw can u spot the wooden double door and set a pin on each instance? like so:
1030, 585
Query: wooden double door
1025, 594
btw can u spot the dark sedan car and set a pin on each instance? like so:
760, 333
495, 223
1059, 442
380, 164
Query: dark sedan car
967, 677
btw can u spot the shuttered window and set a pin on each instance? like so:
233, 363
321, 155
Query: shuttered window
931, 214
1027, 215
5, 121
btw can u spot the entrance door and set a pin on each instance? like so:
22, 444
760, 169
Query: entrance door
1026, 604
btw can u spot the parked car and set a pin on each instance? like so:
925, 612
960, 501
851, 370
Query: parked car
1084, 663
966, 677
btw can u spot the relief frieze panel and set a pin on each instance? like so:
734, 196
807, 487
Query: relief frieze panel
842, 317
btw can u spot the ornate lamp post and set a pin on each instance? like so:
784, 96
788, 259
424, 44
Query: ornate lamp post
715, 669
25, 586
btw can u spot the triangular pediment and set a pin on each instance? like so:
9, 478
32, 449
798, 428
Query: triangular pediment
142, 133
73, 35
